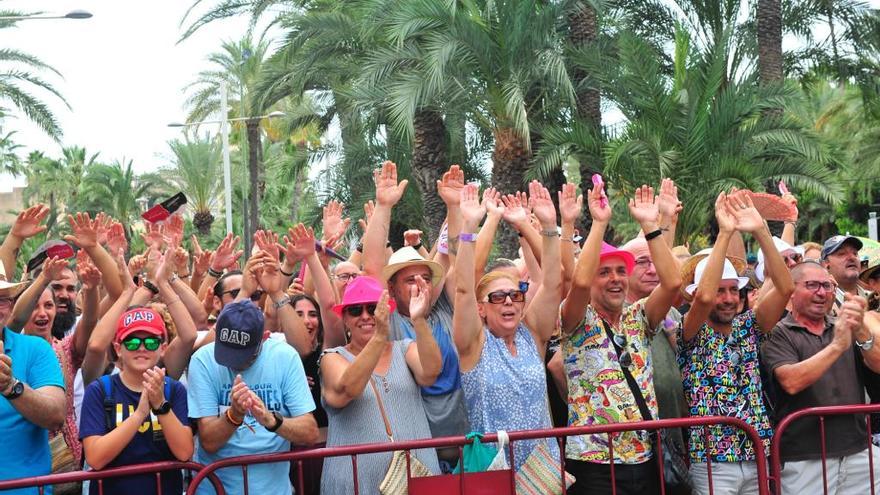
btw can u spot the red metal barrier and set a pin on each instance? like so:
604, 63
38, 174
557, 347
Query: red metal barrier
821, 413
41, 482
610, 429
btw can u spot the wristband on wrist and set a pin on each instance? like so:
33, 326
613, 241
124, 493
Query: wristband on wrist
360, 247
417, 246
550, 233
151, 287
214, 273
467, 237
281, 269
284, 301
231, 419
653, 235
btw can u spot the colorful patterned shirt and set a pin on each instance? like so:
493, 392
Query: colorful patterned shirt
722, 378
597, 390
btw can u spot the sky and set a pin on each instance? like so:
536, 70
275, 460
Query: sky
123, 74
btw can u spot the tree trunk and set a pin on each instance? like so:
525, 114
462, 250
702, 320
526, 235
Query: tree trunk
256, 181
510, 160
770, 41
583, 26
429, 161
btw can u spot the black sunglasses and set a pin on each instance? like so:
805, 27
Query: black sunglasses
255, 295
625, 359
499, 296
134, 343
355, 311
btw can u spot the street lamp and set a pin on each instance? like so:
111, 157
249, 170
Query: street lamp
227, 169
73, 14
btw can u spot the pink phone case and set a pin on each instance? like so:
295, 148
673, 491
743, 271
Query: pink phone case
598, 182
782, 188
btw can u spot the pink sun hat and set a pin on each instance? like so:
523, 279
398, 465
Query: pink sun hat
363, 290
609, 251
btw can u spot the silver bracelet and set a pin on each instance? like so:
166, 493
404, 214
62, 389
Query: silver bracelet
282, 302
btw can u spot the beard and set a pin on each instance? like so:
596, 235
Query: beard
64, 321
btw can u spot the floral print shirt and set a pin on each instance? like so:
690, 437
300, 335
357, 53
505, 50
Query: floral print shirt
721, 377
597, 389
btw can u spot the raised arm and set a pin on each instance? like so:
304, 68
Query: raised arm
789, 229
27, 301
179, 350
85, 235
466, 323
424, 358
578, 298
341, 381
495, 211
542, 312
388, 193
670, 207
226, 255
300, 245
644, 209
516, 213
570, 206
90, 278
704, 297
27, 224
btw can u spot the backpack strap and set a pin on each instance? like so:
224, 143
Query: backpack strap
109, 405
168, 389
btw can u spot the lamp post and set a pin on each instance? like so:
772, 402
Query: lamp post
73, 14
224, 138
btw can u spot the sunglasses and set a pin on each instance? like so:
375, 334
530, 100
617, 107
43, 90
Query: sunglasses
499, 296
355, 311
794, 258
134, 343
625, 359
255, 295
346, 277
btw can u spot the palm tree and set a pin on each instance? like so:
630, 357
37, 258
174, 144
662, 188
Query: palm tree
10, 163
115, 190
196, 172
770, 41
19, 77
58, 182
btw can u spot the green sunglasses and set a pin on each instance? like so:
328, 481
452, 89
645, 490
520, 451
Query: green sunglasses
134, 343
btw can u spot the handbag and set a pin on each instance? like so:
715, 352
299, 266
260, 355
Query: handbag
476, 456
63, 462
675, 471
540, 474
397, 475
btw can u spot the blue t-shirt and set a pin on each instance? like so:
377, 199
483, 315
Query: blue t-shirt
27, 445
148, 444
277, 377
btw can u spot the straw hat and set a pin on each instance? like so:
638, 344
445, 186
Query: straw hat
690, 266
408, 256
8, 289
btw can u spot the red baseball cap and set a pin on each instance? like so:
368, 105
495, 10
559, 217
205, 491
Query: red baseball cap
140, 320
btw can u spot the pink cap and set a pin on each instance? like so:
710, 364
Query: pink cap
363, 290
609, 251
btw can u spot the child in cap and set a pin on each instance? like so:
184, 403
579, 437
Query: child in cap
139, 415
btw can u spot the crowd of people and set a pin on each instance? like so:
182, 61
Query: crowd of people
110, 358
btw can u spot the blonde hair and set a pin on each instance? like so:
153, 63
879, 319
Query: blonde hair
487, 279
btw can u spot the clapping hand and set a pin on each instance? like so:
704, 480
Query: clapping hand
643, 208
450, 185
154, 386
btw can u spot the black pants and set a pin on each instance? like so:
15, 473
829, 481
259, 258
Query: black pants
631, 479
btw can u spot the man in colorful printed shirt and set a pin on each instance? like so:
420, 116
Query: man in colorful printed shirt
719, 351
601, 359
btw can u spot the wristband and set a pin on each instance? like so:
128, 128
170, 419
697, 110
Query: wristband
231, 419
467, 237
281, 269
214, 273
279, 420
653, 235
417, 246
284, 301
152, 288
174, 278
550, 233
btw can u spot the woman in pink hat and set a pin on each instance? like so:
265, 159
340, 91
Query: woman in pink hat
371, 364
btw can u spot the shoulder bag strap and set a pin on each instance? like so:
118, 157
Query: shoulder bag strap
382, 410
633, 386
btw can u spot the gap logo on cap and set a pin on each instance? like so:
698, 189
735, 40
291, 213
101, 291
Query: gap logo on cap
136, 316
234, 337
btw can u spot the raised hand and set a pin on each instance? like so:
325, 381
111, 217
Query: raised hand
116, 238
53, 268
381, 316
748, 219
332, 220
28, 223
299, 243
226, 254
88, 274
667, 200
153, 236
173, 230
165, 266
790, 199
268, 275
419, 299
472, 211
598, 204
369, 208
154, 386
124, 271
180, 260
412, 237
724, 214
388, 190
492, 203
103, 223
643, 207
542, 205
570, 203
849, 321
85, 231
516, 208
295, 287
449, 186
267, 241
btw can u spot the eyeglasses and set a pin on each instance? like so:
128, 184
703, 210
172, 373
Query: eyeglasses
499, 296
356, 311
134, 343
644, 262
815, 285
346, 277
625, 358
255, 295
794, 258
6, 301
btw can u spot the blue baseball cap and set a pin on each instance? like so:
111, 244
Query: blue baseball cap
239, 332
838, 241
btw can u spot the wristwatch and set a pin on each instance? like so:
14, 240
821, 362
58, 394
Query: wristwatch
866, 345
16, 390
279, 420
164, 408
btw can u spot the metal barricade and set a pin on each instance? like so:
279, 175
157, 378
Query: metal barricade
157, 468
559, 433
821, 413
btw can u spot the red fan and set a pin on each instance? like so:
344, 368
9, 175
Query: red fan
773, 207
